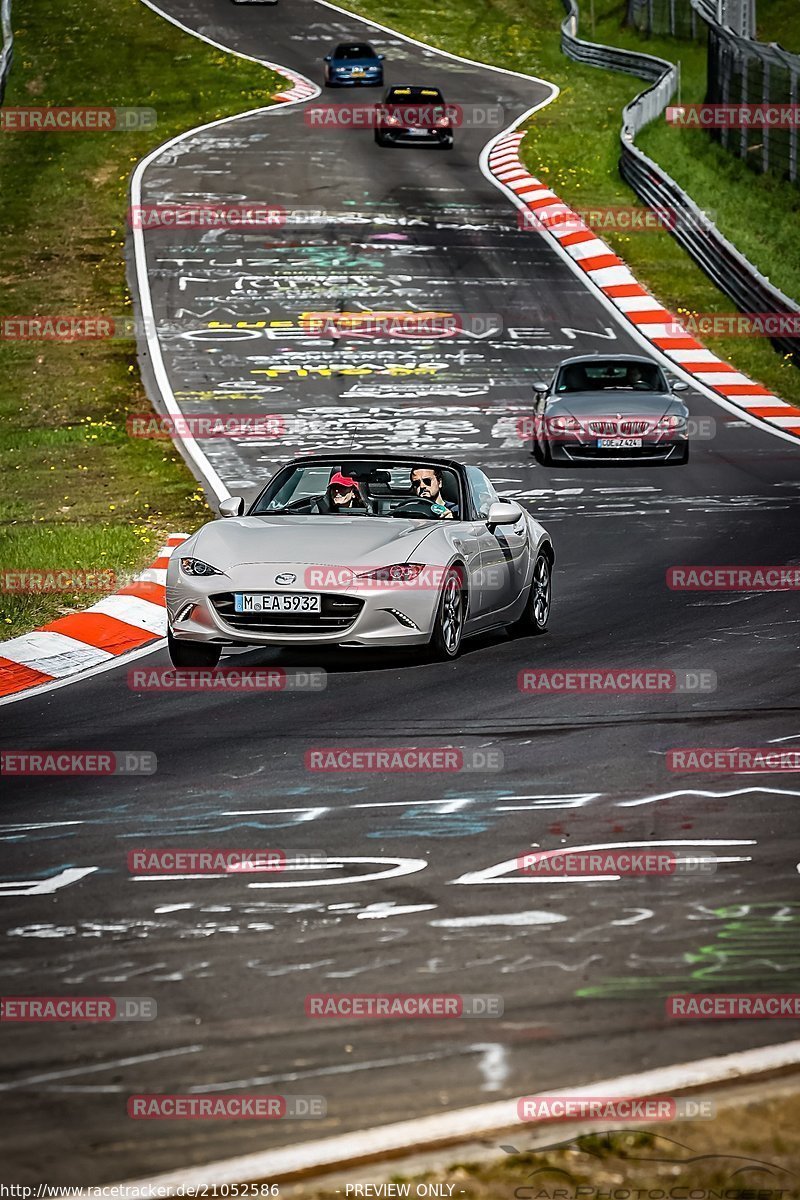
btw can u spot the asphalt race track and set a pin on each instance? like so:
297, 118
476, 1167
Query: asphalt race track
583, 968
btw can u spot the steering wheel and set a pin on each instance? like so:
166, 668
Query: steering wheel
415, 508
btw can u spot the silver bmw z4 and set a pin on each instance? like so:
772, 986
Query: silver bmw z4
598, 409
339, 550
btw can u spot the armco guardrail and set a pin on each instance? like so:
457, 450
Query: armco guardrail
750, 291
7, 53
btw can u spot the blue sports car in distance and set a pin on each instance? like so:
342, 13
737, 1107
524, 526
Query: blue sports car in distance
354, 64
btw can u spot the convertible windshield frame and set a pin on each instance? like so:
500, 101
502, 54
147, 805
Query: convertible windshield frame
364, 469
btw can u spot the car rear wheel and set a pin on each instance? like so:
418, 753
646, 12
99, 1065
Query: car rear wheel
193, 654
448, 629
537, 608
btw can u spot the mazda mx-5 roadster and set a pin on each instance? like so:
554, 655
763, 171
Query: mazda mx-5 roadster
341, 550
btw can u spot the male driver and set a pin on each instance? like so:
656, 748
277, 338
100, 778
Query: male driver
427, 484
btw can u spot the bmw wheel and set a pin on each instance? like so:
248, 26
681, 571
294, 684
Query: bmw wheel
448, 629
537, 607
192, 654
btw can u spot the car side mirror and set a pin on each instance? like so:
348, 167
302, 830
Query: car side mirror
232, 506
328, 57
382, 57
539, 387
678, 385
502, 512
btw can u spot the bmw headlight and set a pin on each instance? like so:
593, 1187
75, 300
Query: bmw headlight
196, 566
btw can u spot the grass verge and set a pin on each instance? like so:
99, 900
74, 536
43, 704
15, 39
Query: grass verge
573, 144
748, 1151
80, 493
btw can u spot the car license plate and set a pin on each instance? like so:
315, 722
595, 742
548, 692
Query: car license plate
417, 132
618, 443
288, 602
357, 74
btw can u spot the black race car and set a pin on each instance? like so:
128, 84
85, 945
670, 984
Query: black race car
414, 116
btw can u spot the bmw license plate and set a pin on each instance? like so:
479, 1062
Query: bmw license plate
281, 602
618, 443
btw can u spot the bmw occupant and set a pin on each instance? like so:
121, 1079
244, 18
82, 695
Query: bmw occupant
427, 483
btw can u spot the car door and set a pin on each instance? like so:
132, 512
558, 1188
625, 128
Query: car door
505, 552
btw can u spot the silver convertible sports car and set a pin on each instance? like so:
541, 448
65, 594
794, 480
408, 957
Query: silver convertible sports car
598, 409
341, 550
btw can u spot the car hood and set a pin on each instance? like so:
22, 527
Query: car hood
609, 403
319, 541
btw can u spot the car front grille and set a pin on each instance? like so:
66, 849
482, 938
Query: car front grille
338, 613
620, 428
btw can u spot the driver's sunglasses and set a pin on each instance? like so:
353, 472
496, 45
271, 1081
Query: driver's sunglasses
339, 487
427, 480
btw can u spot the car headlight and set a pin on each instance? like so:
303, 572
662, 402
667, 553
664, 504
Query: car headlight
671, 421
196, 566
397, 573
562, 424
442, 122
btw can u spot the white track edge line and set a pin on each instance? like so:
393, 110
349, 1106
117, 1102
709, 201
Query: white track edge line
465, 1124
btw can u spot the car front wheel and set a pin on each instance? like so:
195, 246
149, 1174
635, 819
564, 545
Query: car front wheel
193, 654
448, 629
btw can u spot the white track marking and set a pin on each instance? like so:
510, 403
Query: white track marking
27, 1080
45, 887
494, 874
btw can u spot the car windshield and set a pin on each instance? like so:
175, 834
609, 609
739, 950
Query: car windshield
606, 373
360, 50
406, 95
358, 488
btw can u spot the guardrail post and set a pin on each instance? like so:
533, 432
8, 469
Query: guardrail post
743, 97
765, 130
793, 129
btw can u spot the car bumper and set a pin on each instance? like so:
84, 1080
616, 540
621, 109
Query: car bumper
655, 452
377, 615
364, 81
416, 137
